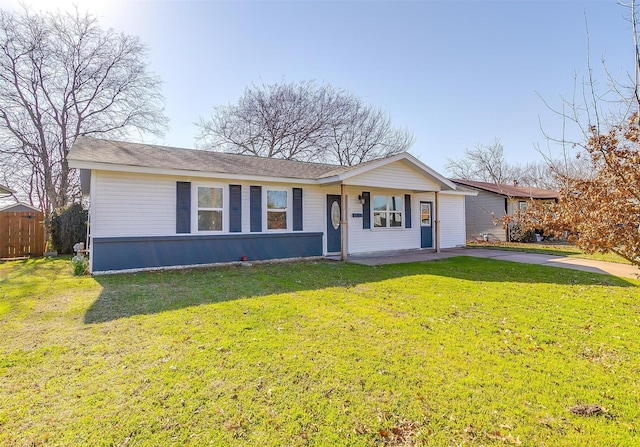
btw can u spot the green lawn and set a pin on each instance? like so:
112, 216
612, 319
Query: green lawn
461, 351
550, 248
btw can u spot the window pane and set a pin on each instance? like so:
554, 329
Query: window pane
380, 220
395, 219
277, 200
425, 211
209, 220
380, 203
209, 197
277, 220
395, 204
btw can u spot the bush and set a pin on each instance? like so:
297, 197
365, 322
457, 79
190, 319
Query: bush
517, 234
68, 227
80, 265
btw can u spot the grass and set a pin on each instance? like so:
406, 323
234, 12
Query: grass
550, 248
461, 351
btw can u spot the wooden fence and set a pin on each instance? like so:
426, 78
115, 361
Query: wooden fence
21, 234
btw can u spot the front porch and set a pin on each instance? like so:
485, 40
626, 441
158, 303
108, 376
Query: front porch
405, 256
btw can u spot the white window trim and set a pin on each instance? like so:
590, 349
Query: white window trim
194, 208
373, 211
289, 210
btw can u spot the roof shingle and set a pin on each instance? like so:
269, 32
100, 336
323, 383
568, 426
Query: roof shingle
147, 155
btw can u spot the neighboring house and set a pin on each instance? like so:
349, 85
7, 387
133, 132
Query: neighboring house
19, 208
154, 206
493, 202
5, 191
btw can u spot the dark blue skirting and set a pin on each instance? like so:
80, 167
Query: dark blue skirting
124, 253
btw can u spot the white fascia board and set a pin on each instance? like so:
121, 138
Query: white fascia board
459, 193
442, 179
359, 170
384, 161
185, 173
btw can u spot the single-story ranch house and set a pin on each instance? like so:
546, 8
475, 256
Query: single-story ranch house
494, 201
160, 207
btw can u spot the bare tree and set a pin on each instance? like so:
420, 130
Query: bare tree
363, 133
484, 163
302, 121
548, 173
488, 164
61, 76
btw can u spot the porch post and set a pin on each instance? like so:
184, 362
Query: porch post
437, 222
343, 223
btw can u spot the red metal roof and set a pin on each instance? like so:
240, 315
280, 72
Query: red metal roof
509, 190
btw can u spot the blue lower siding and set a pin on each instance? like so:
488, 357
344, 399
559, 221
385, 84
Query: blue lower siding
124, 253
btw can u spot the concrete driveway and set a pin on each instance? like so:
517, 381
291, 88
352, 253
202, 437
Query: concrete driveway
587, 265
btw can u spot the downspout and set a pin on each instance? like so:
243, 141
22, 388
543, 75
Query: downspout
506, 213
437, 222
92, 189
89, 245
343, 223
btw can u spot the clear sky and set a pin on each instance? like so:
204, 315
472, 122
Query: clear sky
456, 73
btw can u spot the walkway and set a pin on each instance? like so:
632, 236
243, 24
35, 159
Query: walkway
587, 265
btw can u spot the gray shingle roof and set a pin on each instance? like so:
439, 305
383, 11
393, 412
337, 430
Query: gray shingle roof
151, 156
508, 190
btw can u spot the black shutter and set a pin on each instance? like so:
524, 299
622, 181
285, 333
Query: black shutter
297, 209
255, 208
366, 210
407, 210
183, 207
235, 208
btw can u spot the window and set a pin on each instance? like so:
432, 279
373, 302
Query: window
277, 210
387, 211
522, 205
210, 209
425, 214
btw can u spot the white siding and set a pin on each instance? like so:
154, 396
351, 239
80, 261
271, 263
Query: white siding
451, 216
246, 222
124, 204
314, 200
132, 205
128, 204
452, 220
397, 175
383, 239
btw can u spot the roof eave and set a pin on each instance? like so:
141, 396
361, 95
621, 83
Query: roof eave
459, 192
91, 165
6, 191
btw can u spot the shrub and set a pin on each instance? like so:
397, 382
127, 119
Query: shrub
79, 263
517, 234
68, 227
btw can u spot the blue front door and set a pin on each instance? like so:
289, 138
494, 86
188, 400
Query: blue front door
334, 240
426, 225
